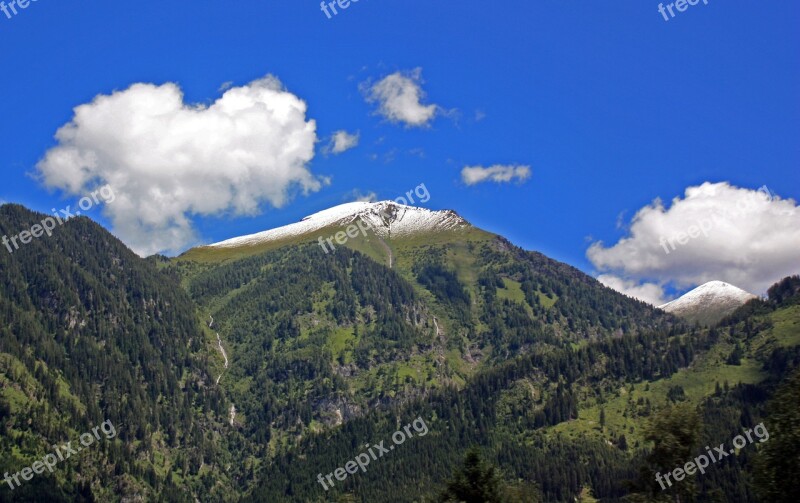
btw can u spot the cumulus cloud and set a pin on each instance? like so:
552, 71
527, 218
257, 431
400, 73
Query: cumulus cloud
342, 141
168, 161
717, 231
498, 173
648, 292
399, 97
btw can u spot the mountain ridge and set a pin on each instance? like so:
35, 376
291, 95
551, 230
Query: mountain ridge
380, 226
384, 218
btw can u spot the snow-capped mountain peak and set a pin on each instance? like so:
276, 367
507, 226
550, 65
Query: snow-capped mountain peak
709, 302
384, 218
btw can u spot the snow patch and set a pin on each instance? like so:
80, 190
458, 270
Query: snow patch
385, 218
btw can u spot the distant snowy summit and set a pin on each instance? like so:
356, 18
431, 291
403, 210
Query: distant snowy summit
387, 219
708, 303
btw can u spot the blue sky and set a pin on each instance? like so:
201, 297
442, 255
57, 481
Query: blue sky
609, 105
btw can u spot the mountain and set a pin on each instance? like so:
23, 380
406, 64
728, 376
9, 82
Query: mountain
419, 306
243, 372
708, 303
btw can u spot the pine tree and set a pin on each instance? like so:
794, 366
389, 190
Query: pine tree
474, 482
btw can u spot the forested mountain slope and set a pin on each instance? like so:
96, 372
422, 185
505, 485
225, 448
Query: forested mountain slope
556, 379
317, 338
90, 332
532, 418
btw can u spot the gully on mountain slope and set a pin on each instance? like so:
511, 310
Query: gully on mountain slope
225, 356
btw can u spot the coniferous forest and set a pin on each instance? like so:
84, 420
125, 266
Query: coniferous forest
535, 382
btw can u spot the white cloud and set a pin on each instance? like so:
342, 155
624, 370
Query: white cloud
497, 173
341, 141
648, 292
167, 160
356, 195
399, 99
717, 231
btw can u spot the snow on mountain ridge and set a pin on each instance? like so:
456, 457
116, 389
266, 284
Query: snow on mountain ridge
385, 218
709, 302
708, 291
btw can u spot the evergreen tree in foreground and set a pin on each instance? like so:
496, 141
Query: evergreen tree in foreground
475, 482
479, 482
